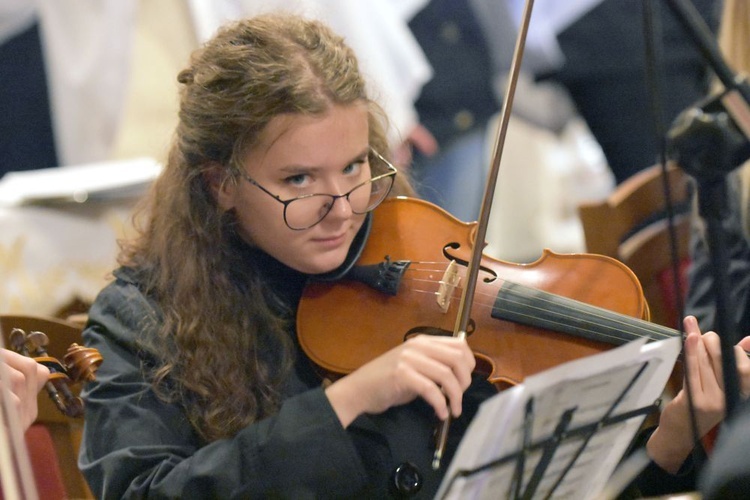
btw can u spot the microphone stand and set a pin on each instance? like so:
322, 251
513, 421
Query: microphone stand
708, 141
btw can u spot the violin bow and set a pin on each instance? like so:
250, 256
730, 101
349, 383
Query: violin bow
472, 272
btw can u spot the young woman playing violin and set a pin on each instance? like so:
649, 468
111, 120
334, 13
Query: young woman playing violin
277, 160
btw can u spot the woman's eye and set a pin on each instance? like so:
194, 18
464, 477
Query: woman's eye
297, 180
355, 167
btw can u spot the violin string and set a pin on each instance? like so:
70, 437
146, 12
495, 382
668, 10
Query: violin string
626, 331
649, 335
626, 326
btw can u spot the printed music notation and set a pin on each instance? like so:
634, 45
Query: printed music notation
562, 432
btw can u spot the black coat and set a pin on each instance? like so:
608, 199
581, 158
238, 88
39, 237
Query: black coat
137, 446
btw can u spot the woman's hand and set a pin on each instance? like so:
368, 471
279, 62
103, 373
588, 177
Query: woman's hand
27, 377
672, 441
437, 369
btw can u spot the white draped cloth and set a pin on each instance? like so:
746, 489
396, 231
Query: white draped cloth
388, 53
90, 49
59, 229
52, 256
87, 48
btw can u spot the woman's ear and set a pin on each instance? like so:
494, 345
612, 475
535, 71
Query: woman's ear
221, 185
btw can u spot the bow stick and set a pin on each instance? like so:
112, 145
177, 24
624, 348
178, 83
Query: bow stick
472, 272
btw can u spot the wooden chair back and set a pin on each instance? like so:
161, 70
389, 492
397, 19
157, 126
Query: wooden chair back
631, 225
65, 432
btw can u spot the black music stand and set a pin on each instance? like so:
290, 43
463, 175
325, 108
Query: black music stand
708, 141
564, 435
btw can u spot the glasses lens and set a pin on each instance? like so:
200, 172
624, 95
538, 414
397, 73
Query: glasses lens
305, 212
370, 194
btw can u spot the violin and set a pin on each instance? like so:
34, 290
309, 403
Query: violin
519, 319
79, 364
525, 318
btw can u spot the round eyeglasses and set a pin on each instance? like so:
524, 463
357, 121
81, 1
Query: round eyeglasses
303, 212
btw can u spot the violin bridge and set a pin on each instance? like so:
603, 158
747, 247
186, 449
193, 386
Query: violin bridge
447, 285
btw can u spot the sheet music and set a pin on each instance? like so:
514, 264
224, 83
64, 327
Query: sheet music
588, 389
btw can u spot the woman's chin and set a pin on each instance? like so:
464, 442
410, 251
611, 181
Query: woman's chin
322, 263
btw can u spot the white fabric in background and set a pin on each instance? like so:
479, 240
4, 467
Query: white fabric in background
53, 250
389, 55
88, 48
49, 256
543, 178
87, 53
15, 17
548, 19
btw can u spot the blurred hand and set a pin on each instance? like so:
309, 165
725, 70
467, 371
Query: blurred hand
27, 377
672, 441
420, 139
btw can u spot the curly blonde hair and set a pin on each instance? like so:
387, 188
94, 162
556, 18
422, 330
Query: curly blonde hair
213, 329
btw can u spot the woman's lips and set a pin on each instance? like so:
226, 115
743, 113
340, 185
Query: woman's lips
331, 242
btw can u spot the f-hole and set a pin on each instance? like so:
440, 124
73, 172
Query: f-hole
438, 332
455, 246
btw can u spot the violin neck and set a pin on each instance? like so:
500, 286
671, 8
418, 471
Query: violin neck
540, 309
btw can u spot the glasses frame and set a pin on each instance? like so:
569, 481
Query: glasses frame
392, 171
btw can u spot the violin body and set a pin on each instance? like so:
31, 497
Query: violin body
345, 324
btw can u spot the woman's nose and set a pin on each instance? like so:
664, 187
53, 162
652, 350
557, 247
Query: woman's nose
341, 208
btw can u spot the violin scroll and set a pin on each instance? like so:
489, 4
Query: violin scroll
80, 364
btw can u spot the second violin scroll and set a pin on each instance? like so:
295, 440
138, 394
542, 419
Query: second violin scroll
79, 365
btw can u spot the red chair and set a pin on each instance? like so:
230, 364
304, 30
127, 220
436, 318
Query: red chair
43, 458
